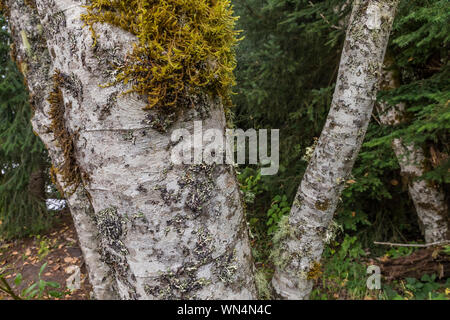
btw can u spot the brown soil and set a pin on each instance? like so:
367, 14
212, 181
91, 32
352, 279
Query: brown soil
58, 248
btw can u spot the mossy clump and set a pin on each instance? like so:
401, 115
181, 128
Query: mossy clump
68, 170
322, 205
262, 285
183, 46
31, 3
315, 272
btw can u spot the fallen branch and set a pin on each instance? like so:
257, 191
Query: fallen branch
440, 243
424, 261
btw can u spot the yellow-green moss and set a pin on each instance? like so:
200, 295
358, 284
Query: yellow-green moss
68, 170
315, 271
31, 3
183, 45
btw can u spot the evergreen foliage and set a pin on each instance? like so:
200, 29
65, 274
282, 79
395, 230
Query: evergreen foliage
21, 153
287, 66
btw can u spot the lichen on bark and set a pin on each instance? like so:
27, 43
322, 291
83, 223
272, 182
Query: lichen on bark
337, 148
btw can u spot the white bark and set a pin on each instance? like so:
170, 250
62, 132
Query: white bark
162, 231
429, 200
301, 242
35, 63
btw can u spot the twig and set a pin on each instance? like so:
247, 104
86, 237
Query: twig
412, 245
8, 289
376, 119
325, 19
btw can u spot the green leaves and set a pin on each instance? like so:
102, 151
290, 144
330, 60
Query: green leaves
427, 288
18, 280
279, 208
40, 289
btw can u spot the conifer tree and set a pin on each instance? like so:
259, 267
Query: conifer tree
23, 159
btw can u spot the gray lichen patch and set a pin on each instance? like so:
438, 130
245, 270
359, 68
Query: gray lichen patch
111, 230
279, 254
160, 120
199, 182
200, 270
181, 284
203, 247
112, 227
168, 196
184, 282
226, 267
73, 85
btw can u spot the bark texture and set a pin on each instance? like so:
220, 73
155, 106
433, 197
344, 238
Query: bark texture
148, 229
36, 184
29, 49
300, 241
428, 261
429, 199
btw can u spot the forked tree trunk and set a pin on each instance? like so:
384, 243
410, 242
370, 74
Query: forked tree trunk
149, 229
300, 242
428, 199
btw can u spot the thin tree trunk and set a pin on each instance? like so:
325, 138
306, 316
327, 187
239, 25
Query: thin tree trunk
428, 199
301, 240
161, 231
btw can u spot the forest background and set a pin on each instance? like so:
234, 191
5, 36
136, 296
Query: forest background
287, 68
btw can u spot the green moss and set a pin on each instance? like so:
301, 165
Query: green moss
322, 205
31, 3
183, 46
315, 271
68, 170
3, 7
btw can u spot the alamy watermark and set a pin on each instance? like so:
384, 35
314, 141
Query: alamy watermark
212, 146
374, 280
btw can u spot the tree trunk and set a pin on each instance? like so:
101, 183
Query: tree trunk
149, 229
428, 199
29, 49
36, 184
301, 240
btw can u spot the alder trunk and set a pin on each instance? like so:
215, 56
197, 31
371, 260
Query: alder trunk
149, 229
300, 241
428, 198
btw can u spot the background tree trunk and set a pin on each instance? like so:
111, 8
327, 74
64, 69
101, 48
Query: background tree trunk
300, 241
148, 229
428, 199
36, 184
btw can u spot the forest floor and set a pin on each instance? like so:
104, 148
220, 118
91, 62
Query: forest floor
41, 267
58, 249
